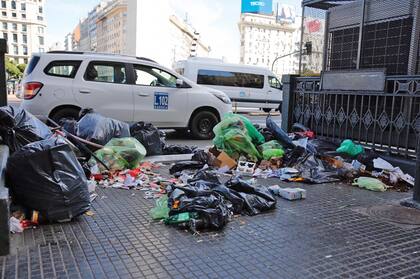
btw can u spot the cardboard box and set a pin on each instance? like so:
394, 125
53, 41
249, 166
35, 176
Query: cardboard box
222, 159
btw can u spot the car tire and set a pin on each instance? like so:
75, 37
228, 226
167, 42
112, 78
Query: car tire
65, 113
266, 110
202, 125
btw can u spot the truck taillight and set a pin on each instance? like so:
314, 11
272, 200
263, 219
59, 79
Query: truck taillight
31, 89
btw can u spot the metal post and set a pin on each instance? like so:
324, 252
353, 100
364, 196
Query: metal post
3, 89
326, 41
302, 30
362, 24
287, 103
415, 201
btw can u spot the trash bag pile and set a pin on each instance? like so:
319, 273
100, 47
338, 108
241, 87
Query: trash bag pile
204, 203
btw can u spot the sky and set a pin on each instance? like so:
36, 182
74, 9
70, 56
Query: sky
216, 20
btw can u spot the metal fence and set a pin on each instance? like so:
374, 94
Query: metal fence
383, 121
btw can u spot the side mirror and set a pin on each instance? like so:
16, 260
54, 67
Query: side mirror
179, 83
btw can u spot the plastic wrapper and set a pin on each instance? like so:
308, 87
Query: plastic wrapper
121, 153
370, 183
99, 129
232, 136
53, 182
351, 149
279, 134
149, 136
161, 210
18, 128
200, 156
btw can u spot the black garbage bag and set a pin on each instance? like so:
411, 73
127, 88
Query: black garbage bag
69, 125
205, 175
257, 199
18, 128
173, 149
209, 206
185, 165
279, 134
99, 129
323, 146
149, 136
200, 156
53, 183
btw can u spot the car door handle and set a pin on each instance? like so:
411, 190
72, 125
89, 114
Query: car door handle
269, 91
143, 94
84, 91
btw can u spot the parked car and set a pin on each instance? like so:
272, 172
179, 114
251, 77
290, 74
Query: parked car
59, 84
246, 86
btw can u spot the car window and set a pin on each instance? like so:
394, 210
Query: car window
149, 76
32, 64
234, 79
274, 82
106, 72
66, 69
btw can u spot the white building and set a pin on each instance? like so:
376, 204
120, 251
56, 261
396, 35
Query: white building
265, 38
56, 46
68, 42
23, 25
135, 28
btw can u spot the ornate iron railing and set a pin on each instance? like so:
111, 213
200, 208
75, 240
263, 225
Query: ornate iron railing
383, 121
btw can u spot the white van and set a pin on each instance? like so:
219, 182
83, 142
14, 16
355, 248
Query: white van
247, 86
59, 84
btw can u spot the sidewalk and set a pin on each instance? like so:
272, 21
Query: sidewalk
323, 236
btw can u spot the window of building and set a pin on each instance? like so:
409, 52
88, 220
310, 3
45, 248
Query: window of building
106, 72
5, 36
24, 28
3, 4
223, 78
41, 49
24, 39
23, 6
15, 50
15, 38
13, 14
23, 15
41, 30
66, 69
149, 76
40, 10
41, 40
5, 25
25, 50
14, 26
40, 18
4, 13
14, 5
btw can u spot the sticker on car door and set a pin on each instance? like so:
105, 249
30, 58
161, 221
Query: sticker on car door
161, 100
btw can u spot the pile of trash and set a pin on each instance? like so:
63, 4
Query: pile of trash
64, 164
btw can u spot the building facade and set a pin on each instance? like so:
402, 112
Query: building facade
23, 26
264, 38
161, 36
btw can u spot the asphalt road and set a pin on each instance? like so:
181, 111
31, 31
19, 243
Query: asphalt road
256, 116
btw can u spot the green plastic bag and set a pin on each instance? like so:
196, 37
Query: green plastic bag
271, 149
348, 147
178, 218
371, 184
273, 153
121, 153
161, 210
232, 136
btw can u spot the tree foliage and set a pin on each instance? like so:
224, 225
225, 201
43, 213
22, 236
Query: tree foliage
13, 70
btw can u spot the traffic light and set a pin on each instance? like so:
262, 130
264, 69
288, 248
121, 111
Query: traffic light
308, 48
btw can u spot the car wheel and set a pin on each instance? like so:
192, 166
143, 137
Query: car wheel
266, 110
202, 125
66, 113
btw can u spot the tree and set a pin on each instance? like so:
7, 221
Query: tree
12, 70
21, 67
